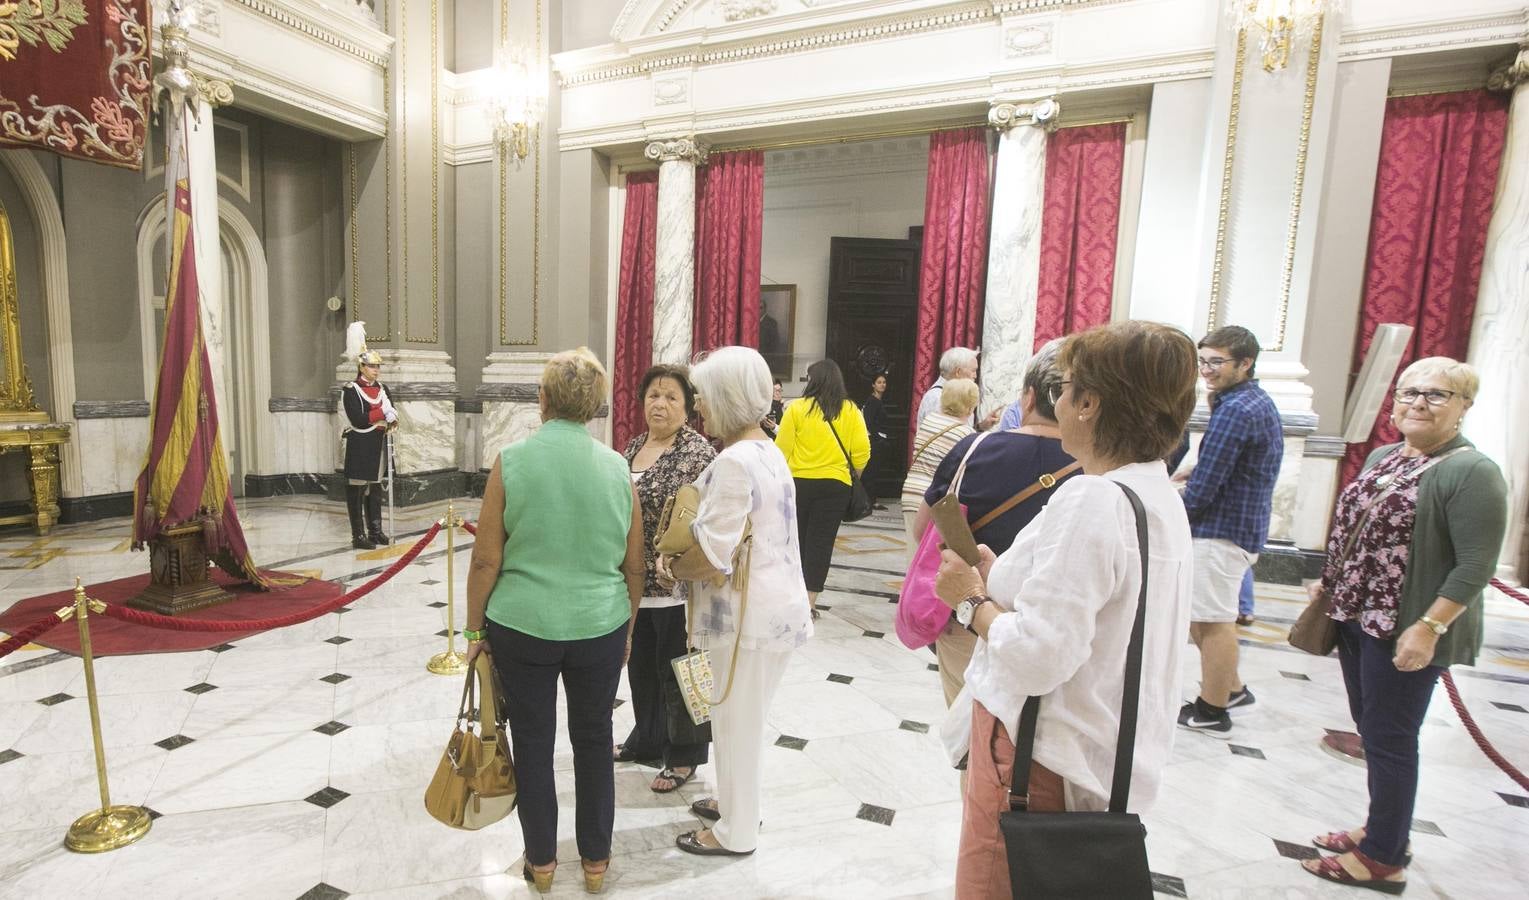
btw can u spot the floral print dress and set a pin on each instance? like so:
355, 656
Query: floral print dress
681, 464
1366, 586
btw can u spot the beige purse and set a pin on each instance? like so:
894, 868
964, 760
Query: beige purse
474, 783
674, 535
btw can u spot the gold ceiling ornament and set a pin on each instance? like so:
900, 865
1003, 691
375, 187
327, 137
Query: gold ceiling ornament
1280, 25
517, 98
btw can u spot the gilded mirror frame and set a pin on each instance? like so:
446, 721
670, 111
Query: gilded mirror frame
17, 402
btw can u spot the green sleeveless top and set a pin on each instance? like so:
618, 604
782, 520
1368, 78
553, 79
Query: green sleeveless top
567, 508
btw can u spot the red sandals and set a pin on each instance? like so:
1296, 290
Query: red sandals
1330, 868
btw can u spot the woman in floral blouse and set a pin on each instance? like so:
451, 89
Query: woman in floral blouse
1415, 540
669, 454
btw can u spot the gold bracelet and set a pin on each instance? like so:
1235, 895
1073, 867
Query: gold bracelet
1434, 625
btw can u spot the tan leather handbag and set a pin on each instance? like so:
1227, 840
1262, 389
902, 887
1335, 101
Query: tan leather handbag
474, 784
674, 535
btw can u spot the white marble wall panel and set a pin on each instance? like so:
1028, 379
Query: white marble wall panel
1314, 495
1014, 259
504, 423
1282, 520
674, 267
304, 442
469, 440
111, 453
426, 437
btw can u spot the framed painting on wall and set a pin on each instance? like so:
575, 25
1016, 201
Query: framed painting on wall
777, 327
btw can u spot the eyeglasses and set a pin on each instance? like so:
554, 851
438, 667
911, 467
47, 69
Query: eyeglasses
1214, 362
1055, 391
1409, 396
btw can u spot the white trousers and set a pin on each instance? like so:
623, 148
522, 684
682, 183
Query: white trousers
737, 734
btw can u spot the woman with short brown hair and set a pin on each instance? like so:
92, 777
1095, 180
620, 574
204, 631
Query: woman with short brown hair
1055, 611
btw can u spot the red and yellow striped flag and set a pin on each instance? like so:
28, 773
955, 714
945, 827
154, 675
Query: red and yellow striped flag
185, 477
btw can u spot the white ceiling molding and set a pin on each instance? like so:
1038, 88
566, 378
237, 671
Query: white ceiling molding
1440, 34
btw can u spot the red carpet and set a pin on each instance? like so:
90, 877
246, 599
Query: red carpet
108, 637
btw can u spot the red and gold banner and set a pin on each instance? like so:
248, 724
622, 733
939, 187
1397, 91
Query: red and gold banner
75, 77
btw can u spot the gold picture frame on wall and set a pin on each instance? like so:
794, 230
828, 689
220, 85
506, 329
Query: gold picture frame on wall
777, 327
17, 402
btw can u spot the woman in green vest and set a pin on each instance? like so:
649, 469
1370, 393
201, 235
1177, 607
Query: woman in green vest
555, 582
1415, 541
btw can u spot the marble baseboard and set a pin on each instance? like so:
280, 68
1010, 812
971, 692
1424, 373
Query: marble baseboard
111, 409
95, 506
414, 488
283, 485
1285, 564
304, 404
1294, 423
476, 482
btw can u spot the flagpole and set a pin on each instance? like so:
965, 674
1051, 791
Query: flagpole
387, 446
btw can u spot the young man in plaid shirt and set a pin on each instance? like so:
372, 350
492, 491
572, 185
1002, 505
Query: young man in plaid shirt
1229, 497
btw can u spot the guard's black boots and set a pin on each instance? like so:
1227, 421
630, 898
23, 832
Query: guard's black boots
374, 517
355, 496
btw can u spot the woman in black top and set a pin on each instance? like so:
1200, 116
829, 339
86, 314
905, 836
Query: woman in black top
876, 424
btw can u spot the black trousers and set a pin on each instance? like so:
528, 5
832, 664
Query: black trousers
659, 638
820, 504
1388, 708
591, 669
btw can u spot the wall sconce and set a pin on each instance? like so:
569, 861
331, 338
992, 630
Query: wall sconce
517, 99
1280, 24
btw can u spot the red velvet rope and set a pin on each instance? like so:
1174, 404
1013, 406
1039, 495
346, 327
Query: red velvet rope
1479, 738
28, 634
154, 620
1520, 596
470, 527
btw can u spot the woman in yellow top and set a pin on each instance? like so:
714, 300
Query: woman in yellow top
821, 435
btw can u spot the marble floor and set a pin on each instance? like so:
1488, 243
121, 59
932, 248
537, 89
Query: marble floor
292, 763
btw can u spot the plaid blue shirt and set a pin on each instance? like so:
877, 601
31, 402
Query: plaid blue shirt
1231, 490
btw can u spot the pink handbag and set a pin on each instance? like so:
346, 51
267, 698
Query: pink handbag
921, 615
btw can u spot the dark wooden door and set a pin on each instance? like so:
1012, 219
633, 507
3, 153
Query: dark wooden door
872, 324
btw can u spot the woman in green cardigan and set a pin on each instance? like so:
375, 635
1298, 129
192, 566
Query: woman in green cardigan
1415, 540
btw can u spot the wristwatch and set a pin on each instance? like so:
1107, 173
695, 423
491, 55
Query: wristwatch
1433, 625
966, 610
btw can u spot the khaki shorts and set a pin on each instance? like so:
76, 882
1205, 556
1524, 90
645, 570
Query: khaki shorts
1219, 567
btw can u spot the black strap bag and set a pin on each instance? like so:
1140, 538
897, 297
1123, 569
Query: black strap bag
1061, 855
859, 505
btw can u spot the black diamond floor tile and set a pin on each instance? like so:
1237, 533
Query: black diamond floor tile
221, 648
1510, 707
1514, 800
429, 581
174, 741
153, 813
202, 688
874, 634
8, 755
910, 725
841, 679
1295, 851
336, 678
1251, 752
822, 606
1295, 676
878, 814
1423, 826
337, 640
791, 743
331, 728
343, 609
1172, 885
436, 605
55, 699
327, 797
322, 891
442, 633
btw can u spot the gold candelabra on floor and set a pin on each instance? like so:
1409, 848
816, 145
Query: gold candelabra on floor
450, 662
110, 826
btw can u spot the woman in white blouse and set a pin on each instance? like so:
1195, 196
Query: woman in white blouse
750, 484
1054, 613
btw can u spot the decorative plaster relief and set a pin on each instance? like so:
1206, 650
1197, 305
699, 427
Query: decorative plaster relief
1027, 40
684, 149
1007, 115
669, 91
207, 16
739, 10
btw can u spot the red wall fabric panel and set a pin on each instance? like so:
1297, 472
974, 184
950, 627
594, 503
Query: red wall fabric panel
634, 306
1080, 225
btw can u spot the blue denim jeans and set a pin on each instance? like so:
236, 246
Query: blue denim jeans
1245, 596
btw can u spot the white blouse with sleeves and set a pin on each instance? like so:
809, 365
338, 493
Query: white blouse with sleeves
1068, 587
750, 481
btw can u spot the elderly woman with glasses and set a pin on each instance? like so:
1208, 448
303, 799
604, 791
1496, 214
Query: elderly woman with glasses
1415, 540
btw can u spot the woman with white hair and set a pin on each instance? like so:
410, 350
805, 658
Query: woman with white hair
743, 581
957, 362
1414, 542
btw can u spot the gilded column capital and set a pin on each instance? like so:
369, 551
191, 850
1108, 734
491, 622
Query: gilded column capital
1513, 74
1042, 113
216, 92
686, 149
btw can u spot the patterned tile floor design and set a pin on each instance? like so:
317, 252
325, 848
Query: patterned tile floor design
293, 763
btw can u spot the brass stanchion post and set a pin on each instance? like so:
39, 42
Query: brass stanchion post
451, 662
110, 826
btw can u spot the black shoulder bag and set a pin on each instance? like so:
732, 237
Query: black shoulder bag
859, 505
1083, 854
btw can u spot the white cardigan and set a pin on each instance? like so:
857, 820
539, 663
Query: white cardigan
1068, 587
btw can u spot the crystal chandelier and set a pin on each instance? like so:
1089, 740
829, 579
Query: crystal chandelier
1279, 24
517, 99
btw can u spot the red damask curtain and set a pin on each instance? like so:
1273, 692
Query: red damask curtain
74, 78
729, 235
1079, 229
954, 264
1439, 156
634, 305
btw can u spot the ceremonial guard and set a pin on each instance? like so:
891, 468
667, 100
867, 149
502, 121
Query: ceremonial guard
369, 417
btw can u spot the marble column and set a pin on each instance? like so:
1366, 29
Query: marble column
1014, 248
1499, 422
674, 277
